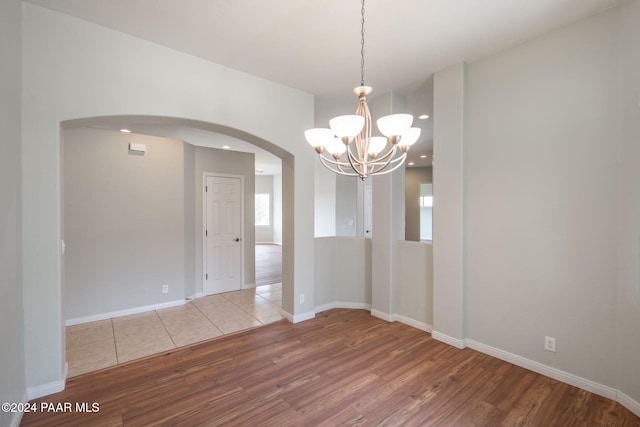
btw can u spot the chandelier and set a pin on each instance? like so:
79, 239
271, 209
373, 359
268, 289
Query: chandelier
348, 147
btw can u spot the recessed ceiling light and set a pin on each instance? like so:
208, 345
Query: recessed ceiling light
424, 156
226, 147
125, 130
423, 117
410, 163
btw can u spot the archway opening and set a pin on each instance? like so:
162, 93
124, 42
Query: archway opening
172, 244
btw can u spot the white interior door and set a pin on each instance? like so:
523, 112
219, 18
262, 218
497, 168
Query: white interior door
223, 234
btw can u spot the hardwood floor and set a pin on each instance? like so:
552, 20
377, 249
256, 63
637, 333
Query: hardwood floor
344, 367
268, 264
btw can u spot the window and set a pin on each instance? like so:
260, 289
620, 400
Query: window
426, 201
426, 212
262, 210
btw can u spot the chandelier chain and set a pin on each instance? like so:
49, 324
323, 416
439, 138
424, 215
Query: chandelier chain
350, 135
362, 45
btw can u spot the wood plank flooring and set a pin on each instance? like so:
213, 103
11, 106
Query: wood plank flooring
344, 367
268, 264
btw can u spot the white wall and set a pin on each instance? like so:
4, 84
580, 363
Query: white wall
534, 234
343, 272
12, 375
415, 284
343, 278
325, 200
448, 193
346, 192
264, 185
124, 222
74, 69
549, 198
628, 200
388, 229
277, 209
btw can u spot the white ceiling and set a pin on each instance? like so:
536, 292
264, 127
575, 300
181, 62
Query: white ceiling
266, 163
314, 45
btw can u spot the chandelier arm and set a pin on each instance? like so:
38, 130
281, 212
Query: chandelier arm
382, 170
332, 161
389, 153
337, 170
393, 161
387, 160
342, 171
380, 166
337, 166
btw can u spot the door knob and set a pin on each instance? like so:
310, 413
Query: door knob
237, 239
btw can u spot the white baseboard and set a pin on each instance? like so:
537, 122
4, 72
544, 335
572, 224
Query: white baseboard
49, 388
16, 419
412, 322
286, 315
297, 318
395, 317
557, 374
532, 365
17, 416
126, 312
381, 315
249, 286
628, 403
376, 313
343, 304
196, 296
458, 343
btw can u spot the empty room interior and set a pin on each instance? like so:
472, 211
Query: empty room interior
204, 223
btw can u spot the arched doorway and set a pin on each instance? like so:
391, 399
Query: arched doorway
161, 258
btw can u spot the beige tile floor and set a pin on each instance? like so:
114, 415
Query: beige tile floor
97, 345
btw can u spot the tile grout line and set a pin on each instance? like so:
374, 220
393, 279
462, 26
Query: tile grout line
241, 309
255, 294
171, 337
207, 317
115, 341
165, 329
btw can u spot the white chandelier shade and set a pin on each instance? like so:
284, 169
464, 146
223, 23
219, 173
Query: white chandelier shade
346, 126
394, 124
345, 150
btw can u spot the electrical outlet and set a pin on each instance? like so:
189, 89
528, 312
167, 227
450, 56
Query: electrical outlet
301, 298
550, 344
165, 289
